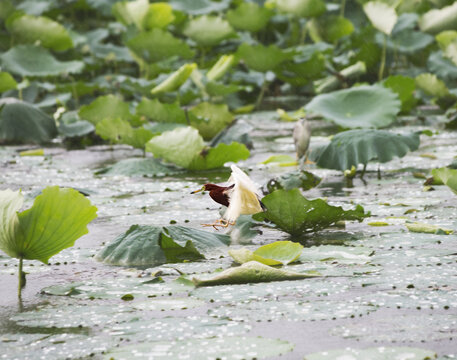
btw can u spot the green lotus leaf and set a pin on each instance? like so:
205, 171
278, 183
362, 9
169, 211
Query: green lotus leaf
427, 228
6, 9
380, 353
404, 87
358, 107
141, 167
175, 80
441, 66
284, 160
159, 15
105, 107
249, 17
445, 38
382, 16
250, 272
332, 28
152, 245
199, 7
447, 176
154, 110
157, 45
119, 131
294, 214
299, 72
262, 58
215, 89
216, 157
31, 29
407, 42
340, 254
131, 12
70, 125
277, 253
237, 131
354, 147
431, 85
296, 179
437, 20
7, 82
23, 122
208, 30
210, 118
221, 67
302, 8
29, 60
179, 146
56, 220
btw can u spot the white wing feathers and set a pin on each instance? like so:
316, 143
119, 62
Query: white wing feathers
244, 197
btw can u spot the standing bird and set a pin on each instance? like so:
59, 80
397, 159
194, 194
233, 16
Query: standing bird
240, 196
302, 137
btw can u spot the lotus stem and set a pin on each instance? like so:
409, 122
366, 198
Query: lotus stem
261, 93
383, 59
20, 276
362, 174
342, 7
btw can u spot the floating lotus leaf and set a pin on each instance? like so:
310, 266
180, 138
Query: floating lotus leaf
31, 29
447, 176
208, 30
277, 253
437, 20
302, 8
149, 167
7, 82
380, 353
23, 122
29, 60
294, 214
210, 118
251, 272
358, 107
249, 16
157, 44
105, 107
262, 58
199, 7
151, 245
354, 147
57, 218
382, 16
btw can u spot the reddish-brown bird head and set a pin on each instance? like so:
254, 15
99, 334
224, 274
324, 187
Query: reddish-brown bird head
219, 194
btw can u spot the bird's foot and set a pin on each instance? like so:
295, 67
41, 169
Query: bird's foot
220, 223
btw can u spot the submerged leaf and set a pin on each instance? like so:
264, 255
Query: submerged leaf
427, 229
341, 254
354, 147
358, 107
277, 253
380, 353
250, 272
294, 214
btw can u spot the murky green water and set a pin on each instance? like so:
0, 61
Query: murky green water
404, 294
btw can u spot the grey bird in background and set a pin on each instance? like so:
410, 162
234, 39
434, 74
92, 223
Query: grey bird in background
302, 137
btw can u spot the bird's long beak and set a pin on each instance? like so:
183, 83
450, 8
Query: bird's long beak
196, 191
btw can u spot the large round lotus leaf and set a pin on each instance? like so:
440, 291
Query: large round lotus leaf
358, 107
404, 87
354, 147
436, 20
30, 29
249, 16
216, 157
225, 347
441, 66
262, 58
407, 42
105, 107
304, 8
157, 45
210, 118
382, 16
29, 60
199, 7
380, 353
208, 30
23, 122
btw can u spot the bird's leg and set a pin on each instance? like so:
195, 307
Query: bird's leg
221, 223
307, 161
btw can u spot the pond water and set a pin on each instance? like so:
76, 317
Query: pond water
400, 292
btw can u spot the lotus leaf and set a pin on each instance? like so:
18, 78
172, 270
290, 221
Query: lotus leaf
302, 8
151, 245
407, 42
23, 122
447, 176
216, 157
437, 20
237, 131
7, 82
159, 15
161, 112
299, 71
404, 87
210, 118
120, 131
332, 28
380, 353
431, 85
31, 29
157, 45
140, 167
358, 107
341, 254
249, 16
354, 147
251, 272
29, 60
131, 12
222, 65
105, 107
294, 214
382, 16
199, 7
277, 253
262, 58
175, 80
427, 229
283, 160
208, 30
295, 179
